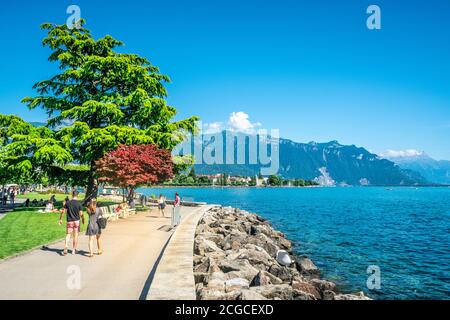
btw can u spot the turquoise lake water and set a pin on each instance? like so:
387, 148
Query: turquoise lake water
403, 231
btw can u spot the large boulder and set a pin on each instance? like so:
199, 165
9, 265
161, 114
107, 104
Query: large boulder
323, 285
264, 278
250, 295
328, 295
202, 246
283, 243
284, 273
238, 268
212, 294
306, 287
203, 266
234, 236
214, 237
266, 243
236, 284
258, 258
262, 228
216, 255
307, 268
197, 259
357, 296
201, 277
283, 292
216, 284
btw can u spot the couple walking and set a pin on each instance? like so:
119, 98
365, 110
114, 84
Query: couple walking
74, 214
162, 203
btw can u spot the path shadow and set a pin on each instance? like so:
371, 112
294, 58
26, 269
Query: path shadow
60, 251
148, 282
165, 228
55, 250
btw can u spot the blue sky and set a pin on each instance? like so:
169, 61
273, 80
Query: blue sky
308, 68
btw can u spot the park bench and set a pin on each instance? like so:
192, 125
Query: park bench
107, 213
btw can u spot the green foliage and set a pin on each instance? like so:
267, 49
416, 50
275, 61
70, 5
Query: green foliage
252, 182
182, 163
192, 174
274, 180
28, 151
71, 175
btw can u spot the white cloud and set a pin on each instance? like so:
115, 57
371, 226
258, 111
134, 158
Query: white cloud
237, 122
214, 127
409, 153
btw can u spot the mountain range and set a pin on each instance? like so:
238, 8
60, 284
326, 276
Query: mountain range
437, 171
328, 163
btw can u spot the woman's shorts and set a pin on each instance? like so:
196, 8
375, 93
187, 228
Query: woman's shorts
161, 205
73, 226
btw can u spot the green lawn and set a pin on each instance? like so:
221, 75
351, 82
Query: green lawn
46, 196
26, 228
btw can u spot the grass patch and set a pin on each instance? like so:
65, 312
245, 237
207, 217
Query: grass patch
46, 196
24, 229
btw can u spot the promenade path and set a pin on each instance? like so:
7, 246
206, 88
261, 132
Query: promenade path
132, 248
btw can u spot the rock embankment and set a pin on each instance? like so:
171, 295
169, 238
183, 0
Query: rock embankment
237, 257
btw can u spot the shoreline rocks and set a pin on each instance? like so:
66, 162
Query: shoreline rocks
235, 258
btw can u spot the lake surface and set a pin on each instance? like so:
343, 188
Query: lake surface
403, 231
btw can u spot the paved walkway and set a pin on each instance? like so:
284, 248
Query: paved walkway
131, 248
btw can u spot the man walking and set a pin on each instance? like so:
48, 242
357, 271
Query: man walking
74, 212
12, 197
5, 197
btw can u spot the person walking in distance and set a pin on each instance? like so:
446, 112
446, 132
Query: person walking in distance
74, 213
161, 205
177, 200
12, 196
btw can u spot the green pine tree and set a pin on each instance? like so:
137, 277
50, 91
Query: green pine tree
103, 98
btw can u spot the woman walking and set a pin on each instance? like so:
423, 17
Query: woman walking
93, 229
161, 205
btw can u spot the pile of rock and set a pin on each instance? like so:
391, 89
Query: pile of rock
235, 259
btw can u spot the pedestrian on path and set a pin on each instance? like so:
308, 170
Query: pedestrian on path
176, 210
177, 201
74, 212
161, 205
12, 196
93, 229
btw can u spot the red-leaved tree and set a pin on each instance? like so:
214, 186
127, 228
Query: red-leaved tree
131, 166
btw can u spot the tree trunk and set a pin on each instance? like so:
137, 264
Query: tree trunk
92, 187
131, 198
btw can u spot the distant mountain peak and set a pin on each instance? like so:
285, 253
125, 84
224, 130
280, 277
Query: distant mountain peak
419, 161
